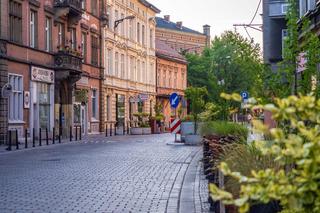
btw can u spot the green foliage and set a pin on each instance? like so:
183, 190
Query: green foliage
158, 110
233, 61
211, 112
143, 120
295, 145
224, 128
244, 158
196, 97
81, 95
188, 118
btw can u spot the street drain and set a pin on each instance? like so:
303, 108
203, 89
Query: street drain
51, 160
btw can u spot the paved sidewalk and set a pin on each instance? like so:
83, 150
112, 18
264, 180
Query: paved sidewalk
115, 174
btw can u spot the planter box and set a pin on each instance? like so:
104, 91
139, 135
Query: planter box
140, 131
193, 140
187, 128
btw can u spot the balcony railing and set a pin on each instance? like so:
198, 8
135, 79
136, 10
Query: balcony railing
68, 3
68, 60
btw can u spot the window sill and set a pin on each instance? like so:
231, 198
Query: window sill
16, 122
94, 120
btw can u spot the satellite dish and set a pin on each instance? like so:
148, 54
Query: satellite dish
6, 90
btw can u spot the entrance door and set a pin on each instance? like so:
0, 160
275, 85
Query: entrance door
83, 121
80, 117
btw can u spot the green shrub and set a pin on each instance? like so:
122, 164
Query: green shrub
224, 128
296, 147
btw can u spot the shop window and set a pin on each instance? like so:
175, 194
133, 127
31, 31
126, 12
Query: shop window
94, 99
120, 109
108, 108
16, 98
15, 21
140, 106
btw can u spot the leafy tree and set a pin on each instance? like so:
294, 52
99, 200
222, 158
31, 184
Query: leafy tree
231, 64
196, 97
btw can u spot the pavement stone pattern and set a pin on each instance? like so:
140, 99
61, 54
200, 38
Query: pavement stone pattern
98, 174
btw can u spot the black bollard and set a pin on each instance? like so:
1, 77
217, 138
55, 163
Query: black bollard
53, 136
47, 137
70, 133
59, 135
9, 142
80, 136
17, 142
110, 129
26, 138
128, 130
115, 129
40, 140
76, 133
106, 130
33, 138
124, 128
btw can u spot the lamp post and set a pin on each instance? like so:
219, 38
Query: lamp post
117, 22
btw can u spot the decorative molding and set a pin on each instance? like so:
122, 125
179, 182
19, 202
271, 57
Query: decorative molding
34, 3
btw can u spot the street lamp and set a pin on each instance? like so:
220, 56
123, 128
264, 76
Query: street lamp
117, 22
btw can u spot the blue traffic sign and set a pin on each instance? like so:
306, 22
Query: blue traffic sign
174, 100
245, 95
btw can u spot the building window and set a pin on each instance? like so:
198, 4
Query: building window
108, 107
143, 74
116, 16
16, 98
94, 7
15, 21
94, 50
284, 35
109, 61
116, 64
122, 66
73, 40
60, 35
158, 77
33, 29
138, 32
170, 85
306, 5
122, 25
183, 80
109, 17
84, 46
143, 35
132, 68
94, 100
152, 74
151, 38
138, 71
131, 29
164, 78
83, 4
48, 34
284, 8
175, 80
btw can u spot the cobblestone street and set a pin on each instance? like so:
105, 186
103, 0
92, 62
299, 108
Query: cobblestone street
120, 174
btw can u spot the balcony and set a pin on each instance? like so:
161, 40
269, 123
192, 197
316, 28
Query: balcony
70, 8
68, 65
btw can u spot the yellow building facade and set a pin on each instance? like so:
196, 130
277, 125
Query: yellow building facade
129, 84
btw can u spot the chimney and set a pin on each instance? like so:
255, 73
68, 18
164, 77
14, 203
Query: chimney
206, 32
167, 18
179, 24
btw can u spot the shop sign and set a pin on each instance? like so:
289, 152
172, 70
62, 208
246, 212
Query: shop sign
143, 97
26, 100
42, 75
84, 80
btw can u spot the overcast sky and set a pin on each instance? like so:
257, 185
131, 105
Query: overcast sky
219, 14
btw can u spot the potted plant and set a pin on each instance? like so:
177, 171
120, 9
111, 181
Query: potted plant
195, 96
143, 124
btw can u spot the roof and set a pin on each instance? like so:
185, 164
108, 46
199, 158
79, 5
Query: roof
164, 50
162, 23
149, 5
